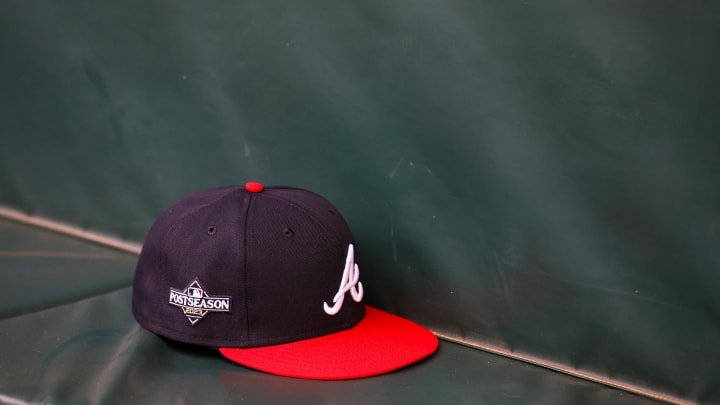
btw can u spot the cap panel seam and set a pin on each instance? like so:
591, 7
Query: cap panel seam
186, 216
328, 230
250, 201
309, 212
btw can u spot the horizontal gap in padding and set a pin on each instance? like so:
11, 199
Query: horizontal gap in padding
70, 230
562, 368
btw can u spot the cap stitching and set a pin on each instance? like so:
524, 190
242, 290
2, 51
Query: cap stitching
309, 212
251, 199
187, 215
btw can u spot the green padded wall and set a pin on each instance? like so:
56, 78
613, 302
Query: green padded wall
539, 177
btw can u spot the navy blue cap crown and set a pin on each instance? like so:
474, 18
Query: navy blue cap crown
247, 266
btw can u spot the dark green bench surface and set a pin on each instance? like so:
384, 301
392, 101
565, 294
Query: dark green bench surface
68, 337
541, 176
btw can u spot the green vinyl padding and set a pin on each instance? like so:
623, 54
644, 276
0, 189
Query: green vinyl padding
537, 177
90, 350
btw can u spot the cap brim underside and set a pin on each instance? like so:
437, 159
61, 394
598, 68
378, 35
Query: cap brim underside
381, 342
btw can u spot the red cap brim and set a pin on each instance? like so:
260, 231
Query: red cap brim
381, 342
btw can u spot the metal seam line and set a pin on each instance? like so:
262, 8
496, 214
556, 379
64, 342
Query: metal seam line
551, 365
70, 230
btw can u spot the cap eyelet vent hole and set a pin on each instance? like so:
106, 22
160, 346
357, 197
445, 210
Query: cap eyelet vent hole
288, 233
212, 229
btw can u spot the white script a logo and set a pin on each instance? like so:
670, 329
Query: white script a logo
350, 282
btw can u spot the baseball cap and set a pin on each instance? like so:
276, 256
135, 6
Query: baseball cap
270, 277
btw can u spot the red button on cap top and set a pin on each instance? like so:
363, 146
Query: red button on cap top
254, 187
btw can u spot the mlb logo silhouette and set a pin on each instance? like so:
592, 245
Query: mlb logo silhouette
195, 292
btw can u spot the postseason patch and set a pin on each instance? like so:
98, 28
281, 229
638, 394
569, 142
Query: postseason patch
195, 302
